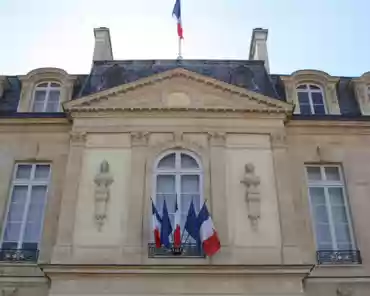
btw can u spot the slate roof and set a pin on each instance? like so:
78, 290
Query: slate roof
248, 74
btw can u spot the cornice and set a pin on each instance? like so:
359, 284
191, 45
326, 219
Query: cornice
298, 270
272, 105
33, 121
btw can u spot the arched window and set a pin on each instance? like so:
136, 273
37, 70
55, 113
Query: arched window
311, 99
178, 175
46, 97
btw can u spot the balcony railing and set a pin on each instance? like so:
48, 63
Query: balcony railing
19, 255
339, 257
186, 251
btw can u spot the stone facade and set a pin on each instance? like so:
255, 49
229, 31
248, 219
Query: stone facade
252, 149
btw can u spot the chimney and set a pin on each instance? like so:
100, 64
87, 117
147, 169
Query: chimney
258, 48
103, 46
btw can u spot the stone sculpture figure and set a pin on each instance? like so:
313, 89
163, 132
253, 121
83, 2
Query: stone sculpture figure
102, 180
252, 194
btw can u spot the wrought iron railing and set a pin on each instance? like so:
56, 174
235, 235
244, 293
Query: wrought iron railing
338, 257
19, 255
186, 250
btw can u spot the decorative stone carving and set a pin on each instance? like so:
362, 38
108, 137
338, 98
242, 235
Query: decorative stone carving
344, 291
139, 138
102, 180
9, 291
252, 194
78, 137
278, 139
217, 138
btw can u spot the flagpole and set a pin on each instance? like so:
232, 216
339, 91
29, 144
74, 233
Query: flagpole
180, 53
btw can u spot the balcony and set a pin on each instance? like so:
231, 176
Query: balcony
187, 251
338, 257
19, 255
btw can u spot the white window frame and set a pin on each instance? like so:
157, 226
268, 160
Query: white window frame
310, 91
47, 89
325, 184
178, 172
29, 183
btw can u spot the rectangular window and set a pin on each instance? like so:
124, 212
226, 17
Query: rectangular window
24, 218
329, 209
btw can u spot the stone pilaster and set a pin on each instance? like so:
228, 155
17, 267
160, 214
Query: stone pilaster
64, 244
137, 212
289, 233
218, 197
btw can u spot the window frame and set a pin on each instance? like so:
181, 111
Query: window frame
47, 89
309, 90
29, 183
326, 184
178, 172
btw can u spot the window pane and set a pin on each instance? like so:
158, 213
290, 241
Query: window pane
314, 173
39, 100
303, 98
166, 184
321, 214
52, 107
45, 84
54, 96
167, 162
42, 171
305, 109
323, 235
187, 162
336, 195
38, 107
339, 214
190, 184
12, 232
170, 202
342, 233
32, 232
302, 86
17, 204
319, 109
54, 84
332, 173
185, 201
23, 171
312, 86
317, 195
317, 98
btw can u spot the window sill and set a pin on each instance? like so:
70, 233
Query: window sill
20, 255
335, 257
187, 251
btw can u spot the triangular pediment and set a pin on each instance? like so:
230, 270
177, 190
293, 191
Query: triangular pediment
178, 89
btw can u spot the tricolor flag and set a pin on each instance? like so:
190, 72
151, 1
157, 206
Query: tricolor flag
208, 235
177, 13
177, 233
166, 228
156, 225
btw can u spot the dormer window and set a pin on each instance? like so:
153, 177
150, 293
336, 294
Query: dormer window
46, 97
311, 99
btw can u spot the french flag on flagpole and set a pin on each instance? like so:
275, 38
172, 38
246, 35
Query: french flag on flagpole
177, 13
208, 235
177, 232
156, 225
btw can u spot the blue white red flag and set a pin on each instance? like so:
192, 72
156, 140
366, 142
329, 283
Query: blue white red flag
208, 235
177, 13
177, 232
166, 228
156, 224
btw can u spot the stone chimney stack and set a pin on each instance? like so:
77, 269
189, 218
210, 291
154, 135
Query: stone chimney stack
103, 46
258, 48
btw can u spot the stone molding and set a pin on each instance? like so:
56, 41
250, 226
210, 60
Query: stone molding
258, 103
320, 78
361, 87
32, 78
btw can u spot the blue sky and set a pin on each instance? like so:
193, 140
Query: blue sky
329, 35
